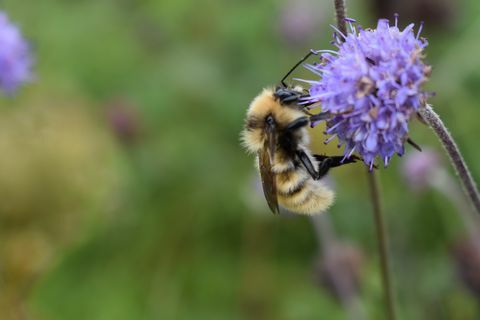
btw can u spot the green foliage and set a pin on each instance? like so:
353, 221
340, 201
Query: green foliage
183, 236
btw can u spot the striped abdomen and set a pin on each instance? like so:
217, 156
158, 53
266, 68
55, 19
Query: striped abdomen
298, 192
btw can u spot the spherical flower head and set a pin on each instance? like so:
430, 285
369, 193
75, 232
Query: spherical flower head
15, 58
371, 87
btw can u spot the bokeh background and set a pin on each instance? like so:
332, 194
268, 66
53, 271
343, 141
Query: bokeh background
125, 193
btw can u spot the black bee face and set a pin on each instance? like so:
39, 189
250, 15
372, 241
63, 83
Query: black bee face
287, 95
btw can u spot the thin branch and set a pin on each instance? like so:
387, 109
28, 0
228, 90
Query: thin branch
340, 14
382, 244
434, 121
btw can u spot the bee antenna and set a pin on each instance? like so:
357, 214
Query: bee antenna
296, 65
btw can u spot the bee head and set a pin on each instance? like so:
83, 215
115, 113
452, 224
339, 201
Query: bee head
288, 95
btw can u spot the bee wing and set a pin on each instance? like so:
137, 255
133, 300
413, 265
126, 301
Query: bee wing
265, 159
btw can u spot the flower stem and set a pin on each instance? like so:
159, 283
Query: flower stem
382, 244
434, 121
340, 15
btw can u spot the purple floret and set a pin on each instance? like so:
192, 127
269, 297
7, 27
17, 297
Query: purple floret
15, 58
371, 87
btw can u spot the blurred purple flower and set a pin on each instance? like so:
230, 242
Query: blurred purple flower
123, 121
419, 167
15, 58
371, 87
340, 270
299, 20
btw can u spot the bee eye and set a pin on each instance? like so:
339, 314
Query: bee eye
269, 120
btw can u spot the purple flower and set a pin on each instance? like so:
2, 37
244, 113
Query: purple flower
15, 58
371, 87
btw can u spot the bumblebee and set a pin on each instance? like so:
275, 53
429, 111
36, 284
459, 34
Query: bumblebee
276, 131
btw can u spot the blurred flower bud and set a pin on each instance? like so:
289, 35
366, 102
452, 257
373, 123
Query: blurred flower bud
123, 121
466, 255
15, 57
339, 270
419, 167
299, 20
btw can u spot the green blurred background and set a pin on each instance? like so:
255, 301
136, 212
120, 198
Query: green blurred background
126, 194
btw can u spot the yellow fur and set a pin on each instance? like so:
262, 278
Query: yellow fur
263, 105
314, 198
296, 190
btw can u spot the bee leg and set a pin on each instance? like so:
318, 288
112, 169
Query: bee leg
305, 160
290, 98
297, 124
287, 96
323, 168
320, 116
337, 160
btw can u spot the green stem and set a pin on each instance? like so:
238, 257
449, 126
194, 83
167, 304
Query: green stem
373, 184
434, 121
340, 14
382, 244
